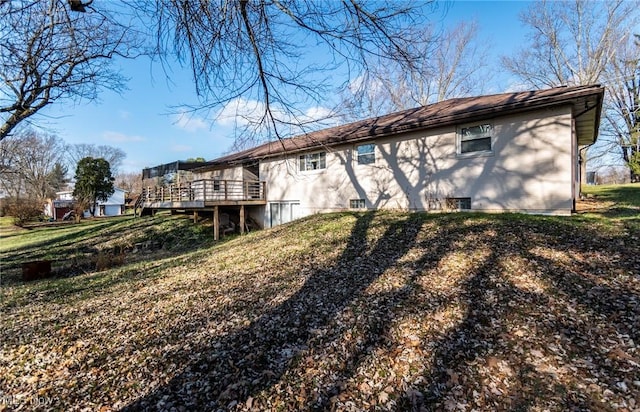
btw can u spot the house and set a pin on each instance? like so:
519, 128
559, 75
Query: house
64, 202
511, 152
113, 206
60, 206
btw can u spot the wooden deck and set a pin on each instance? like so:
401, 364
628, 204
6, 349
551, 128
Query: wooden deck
205, 195
200, 194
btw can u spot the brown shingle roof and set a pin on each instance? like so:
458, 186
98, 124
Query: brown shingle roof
444, 113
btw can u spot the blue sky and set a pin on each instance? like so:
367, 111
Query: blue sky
145, 122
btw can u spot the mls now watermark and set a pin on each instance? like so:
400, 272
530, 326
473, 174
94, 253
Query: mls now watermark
33, 401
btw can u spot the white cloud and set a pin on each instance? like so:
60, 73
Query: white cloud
240, 112
250, 113
371, 85
190, 123
320, 114
116, 137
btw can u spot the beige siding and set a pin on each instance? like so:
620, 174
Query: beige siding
530, 170
230, 173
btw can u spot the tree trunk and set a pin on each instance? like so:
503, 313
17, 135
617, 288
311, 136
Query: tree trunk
583, 167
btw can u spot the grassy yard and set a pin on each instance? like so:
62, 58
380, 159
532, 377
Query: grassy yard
622, 195
346, 311
612, 200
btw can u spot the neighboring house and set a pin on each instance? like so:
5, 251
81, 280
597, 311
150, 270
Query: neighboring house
61, 205
64, 202
512, 152
113, 206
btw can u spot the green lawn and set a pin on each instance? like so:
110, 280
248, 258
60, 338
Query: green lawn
6, 221
344, 311
623, 195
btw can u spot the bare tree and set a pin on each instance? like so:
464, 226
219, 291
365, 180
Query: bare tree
32, 164
113, 155
257, 51
49, 53
453, 64
571, 43
622, 112
131, 182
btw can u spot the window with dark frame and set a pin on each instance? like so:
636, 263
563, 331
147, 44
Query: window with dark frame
313, 161
357, 204
475, 139
366, 153
458, 203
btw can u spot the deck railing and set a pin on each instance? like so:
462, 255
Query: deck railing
209, 190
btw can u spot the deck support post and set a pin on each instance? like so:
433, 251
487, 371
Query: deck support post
195, 216
241, 219
216, 223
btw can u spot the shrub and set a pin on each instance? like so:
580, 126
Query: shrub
24, 210
108, 259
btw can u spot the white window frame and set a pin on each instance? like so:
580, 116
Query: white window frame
463, 135
277, 211
361, 156
307, 159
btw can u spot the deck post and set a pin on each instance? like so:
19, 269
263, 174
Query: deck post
195, 216
216, 223
241, 219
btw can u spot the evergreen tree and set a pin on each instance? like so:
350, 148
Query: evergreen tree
93, 182
57, 178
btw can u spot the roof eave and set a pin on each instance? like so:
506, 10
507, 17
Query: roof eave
363, 133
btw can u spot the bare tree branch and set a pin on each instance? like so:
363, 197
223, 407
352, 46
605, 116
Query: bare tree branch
49, 53
452, 65
256, 51
28, 160
574, 43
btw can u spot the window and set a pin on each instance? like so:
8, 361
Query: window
458, 203
366, 153
216, 183
475, 138
284, 212
313, 161
357, 204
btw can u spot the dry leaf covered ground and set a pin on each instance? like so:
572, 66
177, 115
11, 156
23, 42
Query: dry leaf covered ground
349, 311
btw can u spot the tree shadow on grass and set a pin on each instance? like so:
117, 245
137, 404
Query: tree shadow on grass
83, 251
498, 338
242, 364
520, 347
506, 331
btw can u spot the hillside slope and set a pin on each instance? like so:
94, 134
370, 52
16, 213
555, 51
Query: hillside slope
348, 311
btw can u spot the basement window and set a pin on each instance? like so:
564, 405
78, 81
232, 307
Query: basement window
458, 203
475, 139
313, 161
357, 204
283, 212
